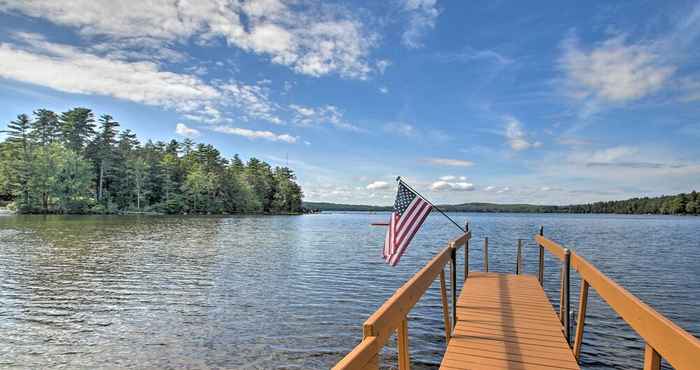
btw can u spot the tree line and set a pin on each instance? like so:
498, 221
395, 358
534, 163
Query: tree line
680, 204
71, 162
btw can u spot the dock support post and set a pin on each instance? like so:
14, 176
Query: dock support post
404, 358
581, 321
541, 268
567, 296
445, 309
652, 359
519, 258
453, 279
486, 254
466, 252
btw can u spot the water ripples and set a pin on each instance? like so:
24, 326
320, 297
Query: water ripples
292, 292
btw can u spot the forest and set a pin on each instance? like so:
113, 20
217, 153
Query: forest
71, 162
680, 204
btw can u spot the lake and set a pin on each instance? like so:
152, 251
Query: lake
292, 292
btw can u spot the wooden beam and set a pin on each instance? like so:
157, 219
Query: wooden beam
486, 254
402, 342
581, 320
387, 318
652, 359
445, 308
364, 356
678, 347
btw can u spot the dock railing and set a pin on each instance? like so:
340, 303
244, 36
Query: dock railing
663, 338
392, 316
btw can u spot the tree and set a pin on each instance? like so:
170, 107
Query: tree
19, 138
138, 170
73, 182
105, 151
45, 127
77, 127
65, 164
195, 188
45, 132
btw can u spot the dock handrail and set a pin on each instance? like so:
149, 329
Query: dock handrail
392, 315
663, 338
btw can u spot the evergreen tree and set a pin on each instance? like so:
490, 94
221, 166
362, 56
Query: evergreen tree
19, 138
77, 128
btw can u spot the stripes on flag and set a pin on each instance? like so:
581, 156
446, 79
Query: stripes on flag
410, 211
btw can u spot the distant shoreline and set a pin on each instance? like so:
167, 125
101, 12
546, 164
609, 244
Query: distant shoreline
680, 204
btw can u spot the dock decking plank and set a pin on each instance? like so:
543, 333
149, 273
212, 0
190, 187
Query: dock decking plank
506, 322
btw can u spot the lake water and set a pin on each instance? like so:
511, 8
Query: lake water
292, 292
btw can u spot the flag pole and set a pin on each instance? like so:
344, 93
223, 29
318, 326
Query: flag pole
434, 206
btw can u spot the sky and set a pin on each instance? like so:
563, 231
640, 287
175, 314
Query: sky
546, 102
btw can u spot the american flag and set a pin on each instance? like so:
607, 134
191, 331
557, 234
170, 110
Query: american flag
410, 210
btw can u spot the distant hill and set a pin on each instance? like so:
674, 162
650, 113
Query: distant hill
680, 204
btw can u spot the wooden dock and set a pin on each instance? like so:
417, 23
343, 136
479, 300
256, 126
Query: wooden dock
505, 321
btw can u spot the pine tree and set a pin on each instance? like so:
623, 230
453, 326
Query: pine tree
77, 128
19, 137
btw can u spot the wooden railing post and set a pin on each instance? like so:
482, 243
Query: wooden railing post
652, 359
466, 252
402, 343
445, 308
567, 296
453, 280
581, 320
486, 254
541, 268
519, 258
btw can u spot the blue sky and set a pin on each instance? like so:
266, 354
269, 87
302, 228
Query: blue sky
546, 102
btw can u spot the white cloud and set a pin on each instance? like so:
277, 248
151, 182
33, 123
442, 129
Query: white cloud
327, 114
469, 54
450, 162
517, 139
255, 134
252, 100
312, 39
382, 65
451, 186
182, 130
69, 69
490, 188
614, 71
400, 128
422, 18
504, 189
452, 178
384, 90
378, 185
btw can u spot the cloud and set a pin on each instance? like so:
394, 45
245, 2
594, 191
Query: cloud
400, 128
451, 186
469, 54
313, 39
452, 178
382, 65
182, 130
252, 100
378, 185
254, 134
449, 162
517, 139
422, 18
327, 114
614, 71
69, 69
384, 90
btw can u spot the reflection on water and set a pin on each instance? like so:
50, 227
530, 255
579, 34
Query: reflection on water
292, 292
